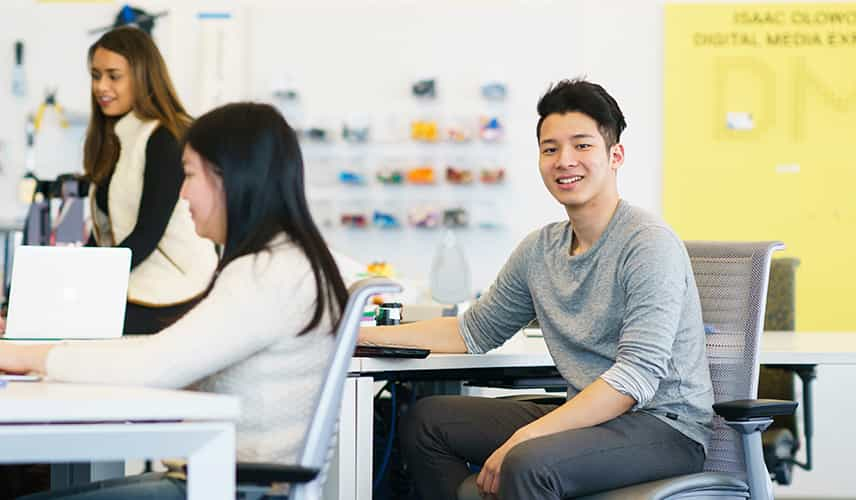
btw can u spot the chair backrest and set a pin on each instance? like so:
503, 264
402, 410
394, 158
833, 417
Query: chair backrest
323, 425
781, 295
778, 382
732, 282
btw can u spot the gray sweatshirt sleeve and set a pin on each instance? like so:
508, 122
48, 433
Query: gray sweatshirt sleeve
505, 308
654, 277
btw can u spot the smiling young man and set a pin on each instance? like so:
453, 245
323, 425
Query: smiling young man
613, 290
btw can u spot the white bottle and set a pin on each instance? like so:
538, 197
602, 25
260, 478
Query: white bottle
450, 272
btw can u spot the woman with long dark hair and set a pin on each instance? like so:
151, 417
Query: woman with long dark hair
132, 157
268, 315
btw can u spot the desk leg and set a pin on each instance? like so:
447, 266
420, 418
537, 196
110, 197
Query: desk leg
342, 479
66, 475
73, 474
211, 467
364, 437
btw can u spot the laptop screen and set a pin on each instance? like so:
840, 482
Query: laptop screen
68, 292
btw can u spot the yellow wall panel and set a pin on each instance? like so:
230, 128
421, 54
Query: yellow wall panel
760, 138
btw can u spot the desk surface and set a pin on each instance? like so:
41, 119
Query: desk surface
31, 402
8, 224
814, 348
808, 348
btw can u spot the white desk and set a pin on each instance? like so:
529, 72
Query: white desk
95, 422
808, 348
351, 475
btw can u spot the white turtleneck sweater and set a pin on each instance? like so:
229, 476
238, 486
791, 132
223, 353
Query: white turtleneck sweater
240, 340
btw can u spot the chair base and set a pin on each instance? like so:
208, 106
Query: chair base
701, 486
704, 485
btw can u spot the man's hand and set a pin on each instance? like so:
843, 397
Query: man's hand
488, 480
596, 404
2, 325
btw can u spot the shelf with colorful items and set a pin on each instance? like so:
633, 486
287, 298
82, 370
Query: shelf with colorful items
356, 127
469, 171
456, 170
415, 130
459, 129
323, 130
353, 170
396, 215
487, 126
413, 197
350, 153
330, 165
434, 215
480, 214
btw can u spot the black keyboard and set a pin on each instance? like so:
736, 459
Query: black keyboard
376, 351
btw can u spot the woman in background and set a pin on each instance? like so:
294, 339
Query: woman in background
263, 332
133, 159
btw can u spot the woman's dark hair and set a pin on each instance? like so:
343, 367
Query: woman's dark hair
588, 98
255, 153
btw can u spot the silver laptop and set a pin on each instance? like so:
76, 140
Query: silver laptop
68, 293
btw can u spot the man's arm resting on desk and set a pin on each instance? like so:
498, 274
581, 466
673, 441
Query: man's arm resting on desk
596, 404
438, 335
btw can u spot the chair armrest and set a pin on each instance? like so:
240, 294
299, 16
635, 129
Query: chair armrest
747, 409
266, 474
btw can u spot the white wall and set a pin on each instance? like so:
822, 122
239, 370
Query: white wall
360, 56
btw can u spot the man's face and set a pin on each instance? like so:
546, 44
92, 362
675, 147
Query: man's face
575, 163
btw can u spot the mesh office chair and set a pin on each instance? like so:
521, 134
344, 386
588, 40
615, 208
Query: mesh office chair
307, 476
732, 282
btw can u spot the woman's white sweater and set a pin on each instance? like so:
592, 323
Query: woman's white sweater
240, 340
181, 266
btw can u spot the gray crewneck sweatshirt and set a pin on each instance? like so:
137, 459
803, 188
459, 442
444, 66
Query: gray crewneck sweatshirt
627, 310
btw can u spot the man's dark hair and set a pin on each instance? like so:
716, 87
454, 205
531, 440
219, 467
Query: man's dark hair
588, 98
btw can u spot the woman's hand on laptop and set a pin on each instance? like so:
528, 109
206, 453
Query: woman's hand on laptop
19, 358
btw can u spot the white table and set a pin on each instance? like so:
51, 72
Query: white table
351, 475
52, 422
808, 348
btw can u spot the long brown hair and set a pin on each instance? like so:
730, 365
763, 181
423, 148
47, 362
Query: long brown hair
154, 99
